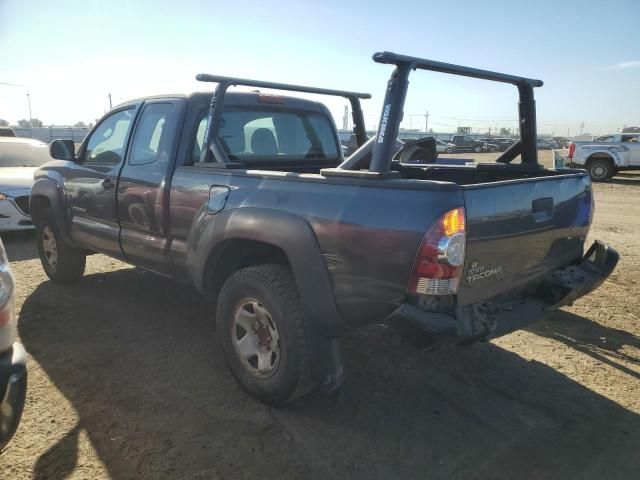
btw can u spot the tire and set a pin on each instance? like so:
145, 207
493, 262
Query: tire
600, 169
266, 300
493, 149
477, 149
61, 262
449, 150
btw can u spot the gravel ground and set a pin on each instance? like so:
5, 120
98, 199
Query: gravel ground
126, 381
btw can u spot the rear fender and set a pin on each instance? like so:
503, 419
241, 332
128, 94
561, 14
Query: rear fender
289, 232
295, 237
590, 153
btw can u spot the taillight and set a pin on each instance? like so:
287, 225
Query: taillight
572, 148
438, 265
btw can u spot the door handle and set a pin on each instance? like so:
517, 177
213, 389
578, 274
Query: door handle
107, 184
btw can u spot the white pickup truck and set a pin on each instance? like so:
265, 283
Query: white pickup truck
604, 156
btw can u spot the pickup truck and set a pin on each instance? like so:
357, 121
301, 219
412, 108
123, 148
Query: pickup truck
604, 156
248, 198
465, 143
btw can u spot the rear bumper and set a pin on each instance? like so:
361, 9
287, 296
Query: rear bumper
497, 317
13, 389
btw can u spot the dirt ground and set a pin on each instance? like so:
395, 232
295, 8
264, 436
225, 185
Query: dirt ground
126, 381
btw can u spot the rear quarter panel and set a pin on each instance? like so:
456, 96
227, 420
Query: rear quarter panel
368, 231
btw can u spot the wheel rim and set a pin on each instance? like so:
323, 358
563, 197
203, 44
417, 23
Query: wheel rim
49, 247
255, 338
598, 171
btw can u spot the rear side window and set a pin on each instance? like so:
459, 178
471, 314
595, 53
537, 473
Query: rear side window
149, 137
255, 135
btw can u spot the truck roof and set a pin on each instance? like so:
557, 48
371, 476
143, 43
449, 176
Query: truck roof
241, 99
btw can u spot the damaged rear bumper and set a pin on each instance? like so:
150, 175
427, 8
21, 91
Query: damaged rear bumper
498, 317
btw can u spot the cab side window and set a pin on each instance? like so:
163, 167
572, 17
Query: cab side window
149, 140
107, 143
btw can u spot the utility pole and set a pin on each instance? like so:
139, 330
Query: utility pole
29, 102
581, 128
110, 106
426, 121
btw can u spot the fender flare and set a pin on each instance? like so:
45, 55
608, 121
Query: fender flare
49, 188
617, 159
289, 232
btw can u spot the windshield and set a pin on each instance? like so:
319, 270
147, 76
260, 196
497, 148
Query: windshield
17, 154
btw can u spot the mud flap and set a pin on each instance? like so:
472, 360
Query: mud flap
326, 362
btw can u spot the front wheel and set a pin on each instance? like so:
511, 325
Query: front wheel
262, 330
61, 262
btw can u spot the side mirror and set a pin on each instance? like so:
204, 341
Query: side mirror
63, 150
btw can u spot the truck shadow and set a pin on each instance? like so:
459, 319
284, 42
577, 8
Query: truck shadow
604, 344
136, 356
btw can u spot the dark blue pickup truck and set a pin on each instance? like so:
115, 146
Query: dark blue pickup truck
247, 197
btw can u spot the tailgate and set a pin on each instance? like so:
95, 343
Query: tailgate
519, 230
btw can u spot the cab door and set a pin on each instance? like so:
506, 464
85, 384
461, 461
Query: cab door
90, 185
632, 142
144, 184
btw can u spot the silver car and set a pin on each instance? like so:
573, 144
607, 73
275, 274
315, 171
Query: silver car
13, 359
19, 159
445, 147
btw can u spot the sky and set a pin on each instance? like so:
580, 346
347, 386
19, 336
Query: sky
69, 55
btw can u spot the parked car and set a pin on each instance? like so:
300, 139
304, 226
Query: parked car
465, 143
561, 142
254, 205
7, 132
445, 147
13, 361
19, 159
492, 145
544, 144
503, 143
606, 155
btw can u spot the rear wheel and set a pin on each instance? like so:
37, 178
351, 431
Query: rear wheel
478, 149
449, 150
600, 169
262, 330
61, 262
